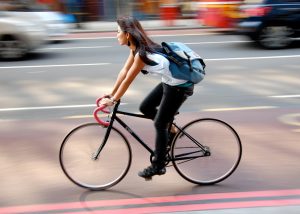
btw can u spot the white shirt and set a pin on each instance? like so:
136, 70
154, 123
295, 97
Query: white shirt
162, 68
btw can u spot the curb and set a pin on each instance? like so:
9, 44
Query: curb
101, 26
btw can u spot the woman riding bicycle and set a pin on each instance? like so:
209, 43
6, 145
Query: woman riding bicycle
164, 100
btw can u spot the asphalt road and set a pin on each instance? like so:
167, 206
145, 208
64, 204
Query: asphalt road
54, 89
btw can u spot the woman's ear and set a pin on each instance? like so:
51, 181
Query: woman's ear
127, 36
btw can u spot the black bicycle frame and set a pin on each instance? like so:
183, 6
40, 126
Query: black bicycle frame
114, 116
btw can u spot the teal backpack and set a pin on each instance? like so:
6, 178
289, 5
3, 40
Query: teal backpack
185, 63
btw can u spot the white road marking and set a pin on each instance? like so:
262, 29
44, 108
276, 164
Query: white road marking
188, 34
70, 48
36, 72
251, 58
94, 105
241, 108
90, 38
286, 96
220, 42
80, 116
49, 107
46, 107
49, 66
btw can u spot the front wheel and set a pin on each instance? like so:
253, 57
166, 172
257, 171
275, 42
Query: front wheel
79, 162
206, 151
12, 48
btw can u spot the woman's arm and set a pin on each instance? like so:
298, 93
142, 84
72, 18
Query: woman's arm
125, 78
122, 73
135, 68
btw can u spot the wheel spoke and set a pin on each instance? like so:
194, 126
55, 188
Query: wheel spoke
186, 154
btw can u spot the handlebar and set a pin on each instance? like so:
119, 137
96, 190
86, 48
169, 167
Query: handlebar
98, 103
103, 109
101, 122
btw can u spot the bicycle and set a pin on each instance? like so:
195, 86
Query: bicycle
97, 155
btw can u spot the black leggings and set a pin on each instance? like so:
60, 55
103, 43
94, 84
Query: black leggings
161, 105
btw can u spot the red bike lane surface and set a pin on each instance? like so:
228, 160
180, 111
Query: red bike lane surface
198, 202
32, 180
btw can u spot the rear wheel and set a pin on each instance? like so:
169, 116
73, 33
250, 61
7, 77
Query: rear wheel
275, 37
208, 153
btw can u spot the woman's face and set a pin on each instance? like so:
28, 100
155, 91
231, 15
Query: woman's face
121, 36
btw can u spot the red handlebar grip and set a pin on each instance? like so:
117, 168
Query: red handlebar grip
101, 122
98, 104
98, 101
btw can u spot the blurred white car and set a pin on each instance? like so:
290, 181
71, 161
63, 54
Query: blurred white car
53, 21
19, 37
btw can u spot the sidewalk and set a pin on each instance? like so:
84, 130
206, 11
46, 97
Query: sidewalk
104, 26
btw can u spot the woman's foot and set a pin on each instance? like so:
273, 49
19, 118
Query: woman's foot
148, 172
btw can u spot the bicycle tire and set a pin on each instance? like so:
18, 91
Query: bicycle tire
225, 150
79, 147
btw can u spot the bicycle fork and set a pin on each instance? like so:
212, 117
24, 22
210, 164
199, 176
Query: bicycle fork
96, 154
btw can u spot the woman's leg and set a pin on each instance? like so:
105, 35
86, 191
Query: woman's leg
149, 105
172, 99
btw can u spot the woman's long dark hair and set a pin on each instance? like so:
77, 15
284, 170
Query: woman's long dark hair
140, 39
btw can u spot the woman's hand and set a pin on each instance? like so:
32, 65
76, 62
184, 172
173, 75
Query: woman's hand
107, 96
107, 101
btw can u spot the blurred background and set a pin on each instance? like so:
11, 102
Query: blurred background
219, 13
48, 88
25, 25
273, 24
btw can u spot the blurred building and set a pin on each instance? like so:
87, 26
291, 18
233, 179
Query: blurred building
94, 10
219, 13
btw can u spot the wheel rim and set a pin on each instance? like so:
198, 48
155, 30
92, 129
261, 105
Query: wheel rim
275, 36
76, 157
224, 158
12, 49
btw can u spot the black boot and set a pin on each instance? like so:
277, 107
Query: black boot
171, 137
148, 172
